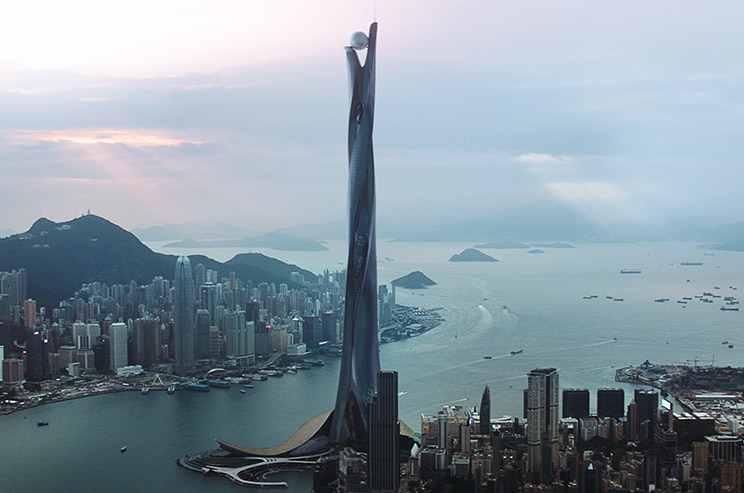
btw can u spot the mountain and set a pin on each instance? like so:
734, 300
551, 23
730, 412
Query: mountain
192, 229
277, 241
60, 257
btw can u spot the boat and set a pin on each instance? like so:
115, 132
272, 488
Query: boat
731, 345
123, 449
219, 383
171, 389
630, 271
197, 386
691, 263
145, 390
42, 423
729, 308
242, 391
487, 357
248, 386
619, 299
516, 351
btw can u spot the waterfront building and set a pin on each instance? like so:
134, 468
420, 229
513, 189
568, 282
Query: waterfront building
86, 358
311, 331
66, 355
12, 373
383, 468
542, 424
147, 342
610, 403
349, 421
117, 346
183, 316
37, 355
575, 403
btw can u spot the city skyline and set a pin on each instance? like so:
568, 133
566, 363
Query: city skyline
624, 112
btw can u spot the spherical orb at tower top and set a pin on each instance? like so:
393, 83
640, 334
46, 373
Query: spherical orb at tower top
359, 40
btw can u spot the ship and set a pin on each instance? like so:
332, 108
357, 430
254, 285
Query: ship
630, 271
42, 423
145, 390
691, 263
171, 389
197, 386
219, 383
516, 351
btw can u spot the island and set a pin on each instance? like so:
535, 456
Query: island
414, 280
471, 255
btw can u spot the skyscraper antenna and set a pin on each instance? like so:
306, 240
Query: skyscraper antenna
374, 10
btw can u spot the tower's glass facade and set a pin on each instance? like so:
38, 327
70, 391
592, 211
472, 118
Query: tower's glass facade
361, 360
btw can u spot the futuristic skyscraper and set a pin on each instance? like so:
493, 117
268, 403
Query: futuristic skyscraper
183, 316
361, 360
349, 421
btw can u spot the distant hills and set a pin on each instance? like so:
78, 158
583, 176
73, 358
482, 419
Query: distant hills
60, 257
276, 241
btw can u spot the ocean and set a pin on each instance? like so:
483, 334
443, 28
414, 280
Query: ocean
562, 308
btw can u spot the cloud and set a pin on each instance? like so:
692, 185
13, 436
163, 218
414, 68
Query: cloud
128, 137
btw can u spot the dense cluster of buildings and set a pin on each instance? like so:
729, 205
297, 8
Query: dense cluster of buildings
168, 325
562, 447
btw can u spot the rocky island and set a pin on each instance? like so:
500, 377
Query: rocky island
471, 255
414, 280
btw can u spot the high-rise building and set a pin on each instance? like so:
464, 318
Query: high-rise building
647, 402
29, 312
203, 324
484, 427
542, 424
383, 467
575, 403
361, 358
37, 355
183, 317
117, 346
12, 373
610, 403
348, 422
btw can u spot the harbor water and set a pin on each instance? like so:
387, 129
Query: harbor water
568, 308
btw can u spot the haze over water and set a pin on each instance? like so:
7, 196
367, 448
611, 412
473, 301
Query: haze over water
525, 301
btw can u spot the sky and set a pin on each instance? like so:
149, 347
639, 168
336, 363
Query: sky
150, 113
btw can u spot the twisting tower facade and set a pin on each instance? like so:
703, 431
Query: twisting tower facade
361, 359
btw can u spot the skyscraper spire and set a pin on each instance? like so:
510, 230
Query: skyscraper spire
183, 316
485, 412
